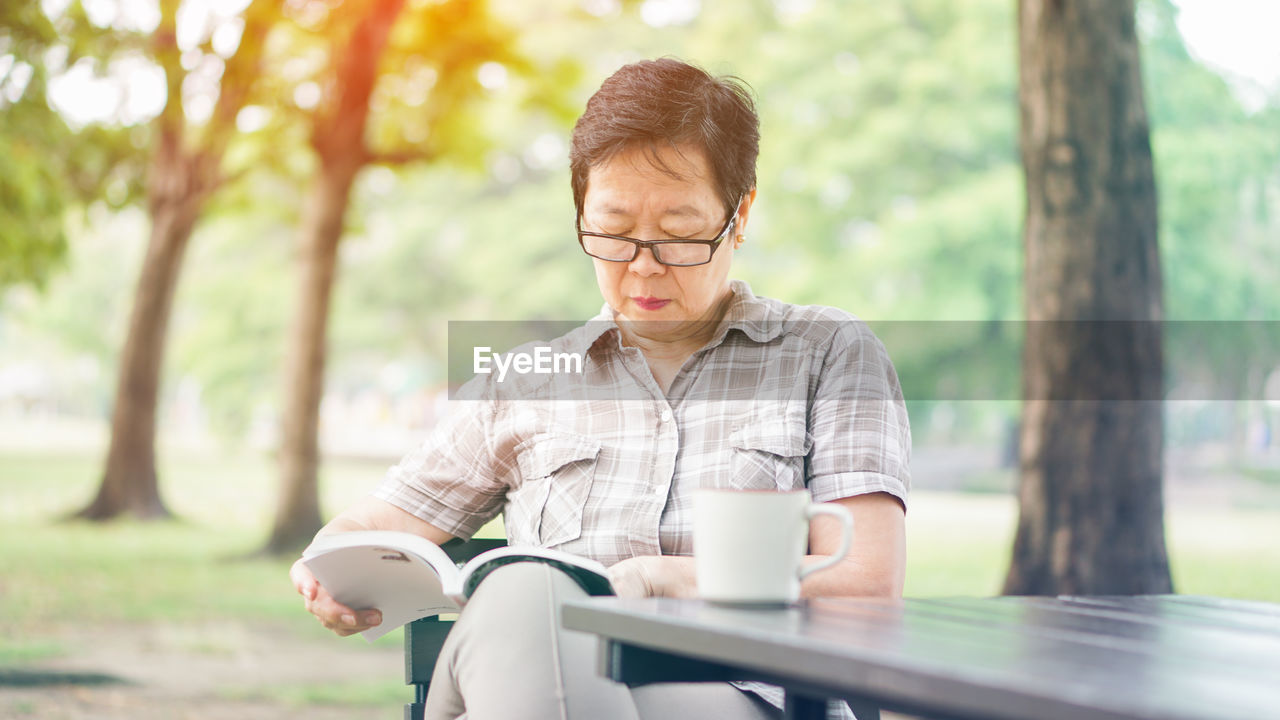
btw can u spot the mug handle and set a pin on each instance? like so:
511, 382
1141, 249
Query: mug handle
846, 535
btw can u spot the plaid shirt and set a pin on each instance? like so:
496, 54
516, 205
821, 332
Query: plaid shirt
604, 464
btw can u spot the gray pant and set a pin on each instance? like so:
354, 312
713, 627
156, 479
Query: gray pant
508, 658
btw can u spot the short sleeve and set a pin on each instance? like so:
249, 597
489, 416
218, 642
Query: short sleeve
858, 420
453, 480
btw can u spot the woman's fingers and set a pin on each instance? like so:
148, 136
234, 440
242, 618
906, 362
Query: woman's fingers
340, 618
332, 614
629, 578
303, 580
653, 576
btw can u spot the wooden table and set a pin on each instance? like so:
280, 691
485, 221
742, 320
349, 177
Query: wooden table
1169, 657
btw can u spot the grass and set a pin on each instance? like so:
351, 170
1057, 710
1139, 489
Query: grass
958, 544
1267, 475
191, 568
194, 569
1229, 552
193, 579
21, 652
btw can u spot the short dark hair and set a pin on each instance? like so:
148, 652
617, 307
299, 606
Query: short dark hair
666, 101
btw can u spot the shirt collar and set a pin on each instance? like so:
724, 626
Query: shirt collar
758, 318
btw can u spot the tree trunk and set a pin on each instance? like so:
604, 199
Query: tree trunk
1091, 462
338, 138
179, 181
298, 508
177, 191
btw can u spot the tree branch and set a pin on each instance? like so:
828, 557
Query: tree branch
241, 73
165, 50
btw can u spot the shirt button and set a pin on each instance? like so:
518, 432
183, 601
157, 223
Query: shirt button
666, 415
659, 491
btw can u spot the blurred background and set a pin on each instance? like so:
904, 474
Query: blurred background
212, 163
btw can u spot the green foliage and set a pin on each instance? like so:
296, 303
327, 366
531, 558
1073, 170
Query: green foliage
48, 167
453, 82
231, 311
32, 190
32, 199
889, 183
876, 126
72, 329
1218, 169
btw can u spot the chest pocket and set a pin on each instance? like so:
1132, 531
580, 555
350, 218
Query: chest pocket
556, 471
769, 454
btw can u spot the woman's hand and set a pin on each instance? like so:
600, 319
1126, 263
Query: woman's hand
370, 513
331, 613
654, 576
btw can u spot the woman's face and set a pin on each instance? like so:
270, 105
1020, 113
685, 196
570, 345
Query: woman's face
628, 196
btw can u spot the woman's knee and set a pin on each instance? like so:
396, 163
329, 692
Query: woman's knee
510, 608
514, 581
512, 616
521, 589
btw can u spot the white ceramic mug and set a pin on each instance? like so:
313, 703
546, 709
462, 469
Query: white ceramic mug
749, 545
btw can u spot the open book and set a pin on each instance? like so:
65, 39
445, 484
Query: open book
407, 577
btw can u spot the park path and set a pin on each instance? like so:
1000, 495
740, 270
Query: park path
159, 671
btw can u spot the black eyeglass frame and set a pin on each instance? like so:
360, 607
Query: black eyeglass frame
653, 244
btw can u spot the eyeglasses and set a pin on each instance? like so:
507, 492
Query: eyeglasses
678, 253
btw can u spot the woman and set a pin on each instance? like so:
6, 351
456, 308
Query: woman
709, 386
